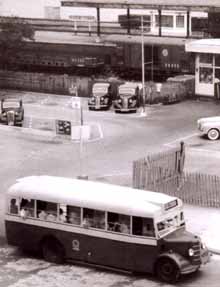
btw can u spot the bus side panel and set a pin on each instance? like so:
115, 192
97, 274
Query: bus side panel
97, 250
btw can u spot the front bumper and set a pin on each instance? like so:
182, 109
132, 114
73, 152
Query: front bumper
98, 107
190, 268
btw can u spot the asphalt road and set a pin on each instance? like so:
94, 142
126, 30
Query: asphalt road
126, 137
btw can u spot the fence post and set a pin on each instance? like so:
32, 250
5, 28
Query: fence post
182, 158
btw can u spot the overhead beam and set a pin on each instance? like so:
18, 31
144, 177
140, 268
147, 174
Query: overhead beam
193, 5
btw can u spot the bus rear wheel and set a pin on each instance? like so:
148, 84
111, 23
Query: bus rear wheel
167, 270
53, 251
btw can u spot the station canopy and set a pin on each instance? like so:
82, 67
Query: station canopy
196, 5
211, 46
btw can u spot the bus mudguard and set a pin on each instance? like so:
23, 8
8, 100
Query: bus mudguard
181, 262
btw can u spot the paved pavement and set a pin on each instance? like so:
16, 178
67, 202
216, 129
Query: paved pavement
202, 221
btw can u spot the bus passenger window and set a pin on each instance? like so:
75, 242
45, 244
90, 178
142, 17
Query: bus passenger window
46, 210
143, 226
27, 208
13, 206
73, 215
118, 222
93, 218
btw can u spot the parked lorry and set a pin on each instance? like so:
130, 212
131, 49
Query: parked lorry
102, 95
128, 97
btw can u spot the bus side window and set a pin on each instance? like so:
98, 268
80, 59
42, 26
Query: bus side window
73, 215
118, 222
93, 218
27, 208
46, 210
13, 206
142, 226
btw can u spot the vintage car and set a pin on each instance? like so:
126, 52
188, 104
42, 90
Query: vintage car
210, 127
102, 96
128, 97
12, 111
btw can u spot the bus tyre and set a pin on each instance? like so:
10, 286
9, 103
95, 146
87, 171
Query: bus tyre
167, 270
53, 251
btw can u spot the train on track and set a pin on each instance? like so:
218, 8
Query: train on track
164, 56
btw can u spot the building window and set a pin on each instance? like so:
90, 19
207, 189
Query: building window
180, 21
206, 58
166, 21
205, 75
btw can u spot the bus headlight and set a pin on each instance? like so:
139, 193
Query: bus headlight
203, 245
191, 252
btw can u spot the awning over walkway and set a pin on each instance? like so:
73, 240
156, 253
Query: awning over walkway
211, 46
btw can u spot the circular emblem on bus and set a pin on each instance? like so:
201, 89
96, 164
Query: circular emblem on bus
165, 52
75, 245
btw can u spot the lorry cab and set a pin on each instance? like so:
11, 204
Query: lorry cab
128, 97
101, 97
12, 111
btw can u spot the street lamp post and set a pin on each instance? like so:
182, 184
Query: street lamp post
143, 65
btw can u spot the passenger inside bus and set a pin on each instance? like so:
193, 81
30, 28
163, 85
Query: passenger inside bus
86, 222
62, 216
27, 208
42, 215
73, 215
118, 222
142, 226
13, 206
51, 216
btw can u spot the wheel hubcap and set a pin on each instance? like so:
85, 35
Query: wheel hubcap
213, 134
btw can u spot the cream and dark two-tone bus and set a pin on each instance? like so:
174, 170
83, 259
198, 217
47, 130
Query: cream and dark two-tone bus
102, 224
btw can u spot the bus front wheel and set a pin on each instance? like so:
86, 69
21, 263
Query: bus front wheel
167, 270
53, 251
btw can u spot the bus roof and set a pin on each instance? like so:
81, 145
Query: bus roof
91, 194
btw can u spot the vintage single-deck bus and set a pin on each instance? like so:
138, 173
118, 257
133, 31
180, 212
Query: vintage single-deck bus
102, 224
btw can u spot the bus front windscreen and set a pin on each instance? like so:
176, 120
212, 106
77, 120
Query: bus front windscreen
167, 225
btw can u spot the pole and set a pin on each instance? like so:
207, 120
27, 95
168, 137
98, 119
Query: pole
142, 60
81, 176
152, 63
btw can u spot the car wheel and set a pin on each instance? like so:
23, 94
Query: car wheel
53, 251
213, 134
167, 270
